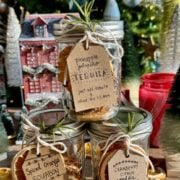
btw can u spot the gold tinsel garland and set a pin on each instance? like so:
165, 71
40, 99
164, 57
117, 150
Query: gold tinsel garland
169, 7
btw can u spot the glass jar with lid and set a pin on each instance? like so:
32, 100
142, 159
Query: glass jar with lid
111, 34
55, 126
138, 129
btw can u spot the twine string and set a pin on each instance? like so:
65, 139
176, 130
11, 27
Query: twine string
68, 26
130, 147
96, 37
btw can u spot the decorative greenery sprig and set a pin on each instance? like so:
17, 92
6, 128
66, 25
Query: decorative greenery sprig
51, 130
132, 123
85, 13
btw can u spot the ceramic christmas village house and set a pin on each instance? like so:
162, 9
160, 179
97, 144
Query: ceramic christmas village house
39, 56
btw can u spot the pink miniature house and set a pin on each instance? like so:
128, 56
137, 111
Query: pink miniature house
39, 56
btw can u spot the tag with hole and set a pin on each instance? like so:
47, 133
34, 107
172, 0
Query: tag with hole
123, 167
91, 76
47, 165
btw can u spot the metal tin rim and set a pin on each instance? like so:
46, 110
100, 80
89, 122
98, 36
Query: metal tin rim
73, 127
107, 128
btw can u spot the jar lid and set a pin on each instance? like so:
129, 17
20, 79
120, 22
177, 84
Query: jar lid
111, 29
51, 117
142, 121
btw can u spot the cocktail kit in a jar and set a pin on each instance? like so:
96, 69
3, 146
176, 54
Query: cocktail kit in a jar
54, 147
120, 145
90, 68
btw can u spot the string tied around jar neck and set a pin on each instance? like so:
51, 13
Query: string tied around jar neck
37, 136
95, 38
129, 147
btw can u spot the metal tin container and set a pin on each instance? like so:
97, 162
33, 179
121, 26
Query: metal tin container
101, 131
71, 134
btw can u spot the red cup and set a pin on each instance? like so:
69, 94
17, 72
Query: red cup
153, 94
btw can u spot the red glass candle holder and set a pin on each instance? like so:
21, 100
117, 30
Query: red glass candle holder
153, 94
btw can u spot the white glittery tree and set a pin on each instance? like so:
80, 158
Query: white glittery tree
170, 50
12, 53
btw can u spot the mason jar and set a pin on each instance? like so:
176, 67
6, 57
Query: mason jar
101, 132
112, 33
66, 131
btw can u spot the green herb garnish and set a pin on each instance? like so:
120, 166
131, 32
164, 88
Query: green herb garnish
52, 129
132, 123
85, 13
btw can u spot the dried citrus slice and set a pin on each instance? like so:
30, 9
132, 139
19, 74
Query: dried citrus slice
16, 165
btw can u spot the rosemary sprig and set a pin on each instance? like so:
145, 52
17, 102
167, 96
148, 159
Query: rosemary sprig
55, 127
131, 123
85, 13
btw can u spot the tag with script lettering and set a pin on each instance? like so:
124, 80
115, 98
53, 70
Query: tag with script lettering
121, 167
49, 165
91, 77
